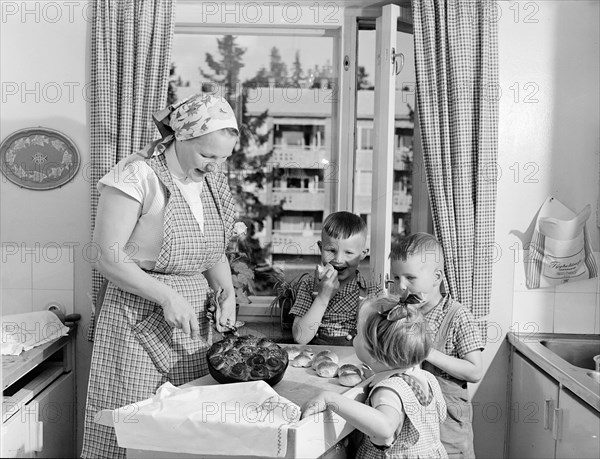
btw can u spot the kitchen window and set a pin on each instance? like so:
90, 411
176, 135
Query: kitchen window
320, 138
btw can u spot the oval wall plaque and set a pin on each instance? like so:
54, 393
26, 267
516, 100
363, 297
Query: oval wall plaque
39, 158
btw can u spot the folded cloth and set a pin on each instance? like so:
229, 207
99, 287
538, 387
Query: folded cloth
219, 420
22, 332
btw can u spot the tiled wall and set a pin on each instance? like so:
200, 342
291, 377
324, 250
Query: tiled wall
33, 277
573, 307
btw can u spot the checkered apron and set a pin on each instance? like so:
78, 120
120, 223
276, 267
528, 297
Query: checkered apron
419, 436
135, 350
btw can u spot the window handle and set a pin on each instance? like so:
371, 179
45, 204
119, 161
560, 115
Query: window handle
397, 67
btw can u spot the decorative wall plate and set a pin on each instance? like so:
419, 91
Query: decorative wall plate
39, 158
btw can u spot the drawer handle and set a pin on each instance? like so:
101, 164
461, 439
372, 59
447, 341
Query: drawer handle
555, 423
547, 403
38, 446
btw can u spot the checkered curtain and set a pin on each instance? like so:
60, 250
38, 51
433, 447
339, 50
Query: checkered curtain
456, 56
130, 60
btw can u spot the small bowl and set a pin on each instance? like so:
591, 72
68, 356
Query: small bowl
252, 343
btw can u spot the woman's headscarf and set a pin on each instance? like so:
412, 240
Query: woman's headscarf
193, 117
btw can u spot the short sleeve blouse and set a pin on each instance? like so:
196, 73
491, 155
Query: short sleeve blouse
135, 178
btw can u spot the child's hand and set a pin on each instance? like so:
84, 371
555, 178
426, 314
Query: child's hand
314, 406
326, 284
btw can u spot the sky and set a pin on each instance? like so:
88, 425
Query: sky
189, 52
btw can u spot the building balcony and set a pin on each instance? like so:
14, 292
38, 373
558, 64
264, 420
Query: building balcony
402, 160
300, 157
401, 202
296, 198
295, 242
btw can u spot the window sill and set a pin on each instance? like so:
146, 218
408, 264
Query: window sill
259, 310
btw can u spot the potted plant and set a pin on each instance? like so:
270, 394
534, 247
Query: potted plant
285, 297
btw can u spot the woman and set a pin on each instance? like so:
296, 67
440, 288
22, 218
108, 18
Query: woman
164, 219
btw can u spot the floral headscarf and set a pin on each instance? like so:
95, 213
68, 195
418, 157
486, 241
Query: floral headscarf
195, 116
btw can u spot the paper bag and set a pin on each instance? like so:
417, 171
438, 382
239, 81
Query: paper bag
560, 249
225, 419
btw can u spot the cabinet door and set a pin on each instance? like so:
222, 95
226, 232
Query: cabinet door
56, 419
578, 429
534, 398
15, 436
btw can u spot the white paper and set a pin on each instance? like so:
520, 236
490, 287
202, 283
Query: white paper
247, 418
22, 332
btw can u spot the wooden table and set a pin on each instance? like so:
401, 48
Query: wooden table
311, 437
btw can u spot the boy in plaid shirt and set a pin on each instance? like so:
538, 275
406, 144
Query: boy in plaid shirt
326, 304
417, 264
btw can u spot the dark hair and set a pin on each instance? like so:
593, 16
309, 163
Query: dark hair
401, 343
417, 243
342, 225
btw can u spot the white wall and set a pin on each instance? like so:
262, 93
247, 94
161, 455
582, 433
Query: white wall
554, 145
44, 47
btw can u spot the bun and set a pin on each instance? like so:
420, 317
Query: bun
308, 352
293, 351
350, 375
301, 361
318, 359
321, 270
327, 368
330, 354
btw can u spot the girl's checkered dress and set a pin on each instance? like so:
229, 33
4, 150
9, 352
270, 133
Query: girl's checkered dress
419, 436
135, 350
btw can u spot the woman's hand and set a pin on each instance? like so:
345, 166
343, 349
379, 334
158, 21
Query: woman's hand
179, 313
225, 313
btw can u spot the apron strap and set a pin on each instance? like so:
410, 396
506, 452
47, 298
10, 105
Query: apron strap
442, 334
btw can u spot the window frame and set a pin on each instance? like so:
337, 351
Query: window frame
344, 31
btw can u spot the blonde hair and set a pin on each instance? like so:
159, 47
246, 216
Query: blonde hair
400, 343
423, 244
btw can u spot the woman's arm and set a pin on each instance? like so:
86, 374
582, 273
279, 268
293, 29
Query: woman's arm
116, 218
379, 423
219, 277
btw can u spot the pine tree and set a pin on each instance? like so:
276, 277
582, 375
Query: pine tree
245, 168
361, 79
297, 69
277, 68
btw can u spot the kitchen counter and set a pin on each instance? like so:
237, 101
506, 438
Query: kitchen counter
574, 378
16, 366
311, 437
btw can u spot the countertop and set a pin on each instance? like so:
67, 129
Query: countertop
16, 366
307, 438
569, 376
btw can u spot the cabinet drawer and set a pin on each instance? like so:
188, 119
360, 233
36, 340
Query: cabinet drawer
53, 433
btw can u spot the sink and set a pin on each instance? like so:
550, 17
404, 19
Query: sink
595, 375
578, 352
